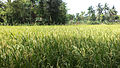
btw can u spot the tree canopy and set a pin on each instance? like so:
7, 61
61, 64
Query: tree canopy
52, 12
31, 11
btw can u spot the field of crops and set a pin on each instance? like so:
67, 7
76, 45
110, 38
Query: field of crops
76, 46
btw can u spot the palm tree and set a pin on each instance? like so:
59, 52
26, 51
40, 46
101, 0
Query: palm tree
106, 13
105, 8
112, 13
82, 15
100, 10
91, 13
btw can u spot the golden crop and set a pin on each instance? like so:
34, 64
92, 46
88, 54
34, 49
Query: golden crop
76, 46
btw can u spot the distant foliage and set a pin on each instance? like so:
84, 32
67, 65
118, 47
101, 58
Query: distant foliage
53, 12
103, 14
42, 12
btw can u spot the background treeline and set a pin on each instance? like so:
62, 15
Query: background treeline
96, 15
31, 11
50, 12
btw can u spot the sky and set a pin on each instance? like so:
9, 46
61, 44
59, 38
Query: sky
76, 6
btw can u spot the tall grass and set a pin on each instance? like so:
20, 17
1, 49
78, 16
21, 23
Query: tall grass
85, 46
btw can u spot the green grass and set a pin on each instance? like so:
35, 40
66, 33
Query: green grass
77, 46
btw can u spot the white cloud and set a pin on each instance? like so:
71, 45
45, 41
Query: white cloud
76, 6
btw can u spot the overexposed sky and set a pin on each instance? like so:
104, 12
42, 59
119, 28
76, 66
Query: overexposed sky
76, 6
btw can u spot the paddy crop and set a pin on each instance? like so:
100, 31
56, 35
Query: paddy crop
77, 46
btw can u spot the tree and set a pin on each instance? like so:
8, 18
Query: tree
112, 13
82, 15
2, 11
99, 10
20, 12
77, 17
105, 8
91, 13
102, 17
62, 14
106, 12
53, 11
70, 17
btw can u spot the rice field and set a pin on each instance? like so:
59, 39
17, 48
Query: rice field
75, 46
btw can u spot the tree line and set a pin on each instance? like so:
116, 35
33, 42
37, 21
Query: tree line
31, 11
52, 12
102, 14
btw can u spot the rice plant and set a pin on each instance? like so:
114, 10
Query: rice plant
76, 46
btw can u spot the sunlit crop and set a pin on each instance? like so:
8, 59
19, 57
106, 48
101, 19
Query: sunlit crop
81, 46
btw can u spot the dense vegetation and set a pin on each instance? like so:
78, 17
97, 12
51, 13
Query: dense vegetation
102, 14
52, 12
30, 11
86, 46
